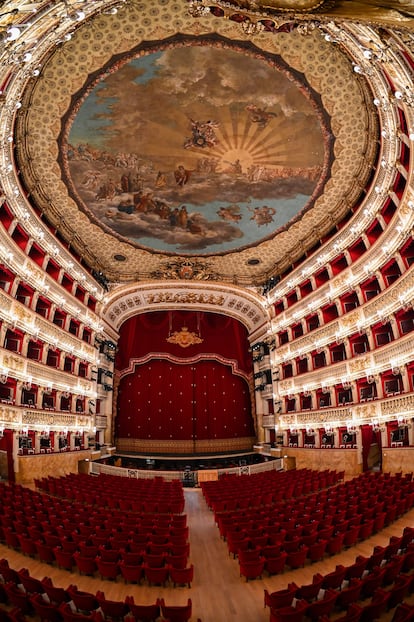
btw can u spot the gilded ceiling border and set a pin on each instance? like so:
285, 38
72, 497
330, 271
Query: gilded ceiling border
325, 67
242, 305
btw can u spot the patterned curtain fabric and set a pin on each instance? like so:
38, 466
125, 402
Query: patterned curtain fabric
168, 391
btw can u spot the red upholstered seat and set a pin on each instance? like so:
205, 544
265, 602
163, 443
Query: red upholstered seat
399, 590
144, 613
132, 573
376, 607
335, 544
252, 569
357, 568
85, 565
107, 569
297, 558
182, 576
376, 557
17, 597
392, 569
276, 565
176, 613
316, 551
372, 582
403, 613
310, 591
157, 576
63, 559
27, 546
324, 606
45, 552
30, 584
85, 602
280, 598
47, 612
333, 580
350, 594
290, 614
112, 609
55, 594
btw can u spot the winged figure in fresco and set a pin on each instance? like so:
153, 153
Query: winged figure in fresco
262, 215
259, 115
230, 213
203, 134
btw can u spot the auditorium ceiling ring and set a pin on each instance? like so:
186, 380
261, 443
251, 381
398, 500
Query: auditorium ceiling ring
338, 67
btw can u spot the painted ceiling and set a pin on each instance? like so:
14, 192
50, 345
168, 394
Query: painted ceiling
162, 144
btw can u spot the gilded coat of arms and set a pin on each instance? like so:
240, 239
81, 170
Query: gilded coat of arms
184, 338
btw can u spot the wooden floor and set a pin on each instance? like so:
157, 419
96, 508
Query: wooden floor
218, 593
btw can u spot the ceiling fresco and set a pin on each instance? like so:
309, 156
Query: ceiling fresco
196, 146
159, 145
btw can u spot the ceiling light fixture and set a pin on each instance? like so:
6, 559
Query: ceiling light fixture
13, 33
405, 97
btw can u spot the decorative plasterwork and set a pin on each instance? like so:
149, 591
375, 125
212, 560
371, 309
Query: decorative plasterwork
376, 310
378, 11
19, 316
23, 369
374, 412
376, 362
38, 419
246, 307
277, 5
324, 66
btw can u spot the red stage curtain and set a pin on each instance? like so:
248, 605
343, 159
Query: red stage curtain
147, 333
195, 393
163, 400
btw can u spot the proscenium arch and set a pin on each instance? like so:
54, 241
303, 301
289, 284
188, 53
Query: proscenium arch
246, 306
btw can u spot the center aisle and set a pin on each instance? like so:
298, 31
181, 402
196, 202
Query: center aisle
219, 594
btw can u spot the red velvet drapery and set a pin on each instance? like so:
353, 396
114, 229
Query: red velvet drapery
147, 334
170, 392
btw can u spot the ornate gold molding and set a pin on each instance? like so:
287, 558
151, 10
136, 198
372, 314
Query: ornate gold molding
185, 446
263, 8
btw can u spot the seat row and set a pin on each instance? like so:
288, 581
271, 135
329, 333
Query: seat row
248, 491
385, 578
42, 508
56, 604
110, 491
47, 532
133, 565
18, 500
360, 495
296, 538
273, 557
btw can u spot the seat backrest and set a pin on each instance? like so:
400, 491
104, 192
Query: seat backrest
176, 613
